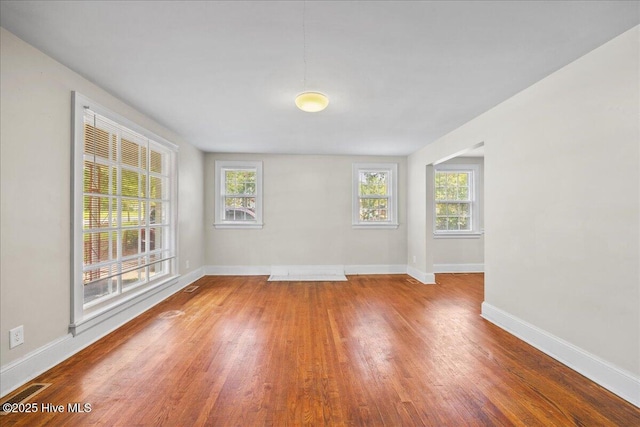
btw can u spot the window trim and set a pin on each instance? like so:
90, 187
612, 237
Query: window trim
219, 182
392, 169
82, 316
475, 231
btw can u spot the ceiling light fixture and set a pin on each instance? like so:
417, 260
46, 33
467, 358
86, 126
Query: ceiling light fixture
310, 102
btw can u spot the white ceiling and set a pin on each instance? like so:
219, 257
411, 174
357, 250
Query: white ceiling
399, 75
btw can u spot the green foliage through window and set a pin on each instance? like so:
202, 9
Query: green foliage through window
240, 195
373, 189
453, 200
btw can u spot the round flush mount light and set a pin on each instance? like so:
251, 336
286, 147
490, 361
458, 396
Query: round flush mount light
312, 102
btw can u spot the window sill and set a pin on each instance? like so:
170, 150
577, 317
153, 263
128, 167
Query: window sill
92, 317
253, 225
374, 226
470, 235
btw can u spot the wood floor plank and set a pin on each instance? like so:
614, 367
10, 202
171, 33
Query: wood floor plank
374, 351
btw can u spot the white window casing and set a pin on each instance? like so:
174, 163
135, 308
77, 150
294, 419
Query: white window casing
456, 212
238, 194
124, 213
375, 195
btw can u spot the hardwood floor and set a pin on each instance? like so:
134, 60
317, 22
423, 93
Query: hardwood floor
373, 351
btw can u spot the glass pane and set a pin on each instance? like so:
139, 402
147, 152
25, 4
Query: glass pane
373, 209
453, 209
95, 212
143, 157
156, 235
156, 216
156, 268
464, 223
464, 209
96, 141
240, 182
130, 153
451, 194
114, 212
250, 203
452, 179
367, 203
441, 193
463, 193
156, 163
240, 209
97, 247
130, 183
130, 242
463, 179
132, 275
97, 283
114, 148
441, 224
131, 212
452, 223
114, 180
441, 179
230, 182
441, 209
373, 183
143, 185
156, 188
96, 178
144, 212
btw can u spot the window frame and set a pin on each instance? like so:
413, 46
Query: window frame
221, 166
474, 171
392, 195
87, 315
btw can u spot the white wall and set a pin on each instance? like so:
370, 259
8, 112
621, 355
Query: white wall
461, 253
307, 216
562, 215
35, 153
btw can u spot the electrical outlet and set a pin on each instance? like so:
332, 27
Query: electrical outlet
16, 336
187, 264
414, 259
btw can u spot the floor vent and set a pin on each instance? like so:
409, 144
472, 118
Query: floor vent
190, 289
23, 396
414, 281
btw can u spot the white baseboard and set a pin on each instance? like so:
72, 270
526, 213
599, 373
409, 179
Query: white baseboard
426, 278
237, 270
458, 268
620, 382
375, 269
26, 368
281, 270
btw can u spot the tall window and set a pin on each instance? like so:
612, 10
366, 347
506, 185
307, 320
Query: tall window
124, 210
375, 195
238, 194
455, 199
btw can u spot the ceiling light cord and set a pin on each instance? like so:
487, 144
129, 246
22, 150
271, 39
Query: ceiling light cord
310, 102
304, 43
